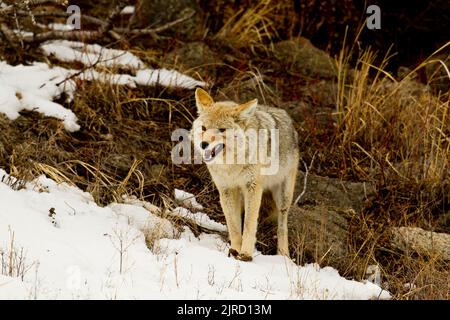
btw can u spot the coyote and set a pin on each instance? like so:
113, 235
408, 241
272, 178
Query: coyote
243, 186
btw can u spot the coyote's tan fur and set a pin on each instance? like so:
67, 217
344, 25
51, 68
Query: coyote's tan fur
242, 186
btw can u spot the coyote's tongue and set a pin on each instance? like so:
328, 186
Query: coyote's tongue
210, 154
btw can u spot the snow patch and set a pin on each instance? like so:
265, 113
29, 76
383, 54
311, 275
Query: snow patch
127, 10
188, 202
91, 54
167, 78
187, 199
100, 253
34, 87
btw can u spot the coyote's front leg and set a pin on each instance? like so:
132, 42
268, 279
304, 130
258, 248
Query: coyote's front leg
252, 200
230, 201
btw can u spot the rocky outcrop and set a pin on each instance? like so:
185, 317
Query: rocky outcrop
420, 241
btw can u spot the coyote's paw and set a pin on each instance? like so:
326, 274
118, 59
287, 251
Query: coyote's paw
232, 252
244, 257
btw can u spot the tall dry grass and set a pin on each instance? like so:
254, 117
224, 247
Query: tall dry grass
250, 27
392, 129
394, 133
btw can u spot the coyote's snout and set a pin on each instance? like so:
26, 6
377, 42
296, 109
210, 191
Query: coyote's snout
251, 152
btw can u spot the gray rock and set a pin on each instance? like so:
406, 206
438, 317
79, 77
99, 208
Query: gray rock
299, 56
423, 242
320, 231
318, 224
335, 193
194, 57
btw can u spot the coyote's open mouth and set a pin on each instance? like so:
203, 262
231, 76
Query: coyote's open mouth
211, 154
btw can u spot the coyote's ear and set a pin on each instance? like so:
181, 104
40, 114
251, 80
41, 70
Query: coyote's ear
247, 109
202, 99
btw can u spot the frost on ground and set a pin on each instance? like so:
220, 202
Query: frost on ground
35, 86
97, 252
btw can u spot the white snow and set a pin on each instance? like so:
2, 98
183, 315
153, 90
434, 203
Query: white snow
35, 86
90, 54
61, 26
23, 33
127, 10
94, 54
187, 203
80, 259
167, 78
187, 199
200, 219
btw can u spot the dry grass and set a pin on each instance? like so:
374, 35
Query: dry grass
398, 125
13, 260
249, 27
394, 133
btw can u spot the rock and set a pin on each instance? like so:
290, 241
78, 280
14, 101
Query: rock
301, 111
247, 90
320, 94
299, 56
320, 231
319, 222
421, 241
121, 162
194, 57
436, 74
332, 192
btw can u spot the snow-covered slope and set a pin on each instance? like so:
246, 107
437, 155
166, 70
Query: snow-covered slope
78, 250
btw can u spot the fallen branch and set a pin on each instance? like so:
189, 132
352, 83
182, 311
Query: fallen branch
64, 35
105, 27
48, 2
31, 4
155, 30
84, 17
9, 35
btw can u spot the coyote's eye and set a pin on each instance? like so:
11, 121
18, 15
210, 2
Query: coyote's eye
222, 130
203, 128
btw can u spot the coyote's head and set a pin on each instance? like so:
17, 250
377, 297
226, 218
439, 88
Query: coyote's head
215, 121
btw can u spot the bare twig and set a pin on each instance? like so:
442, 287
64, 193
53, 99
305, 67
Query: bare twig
84, 17
305, 179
